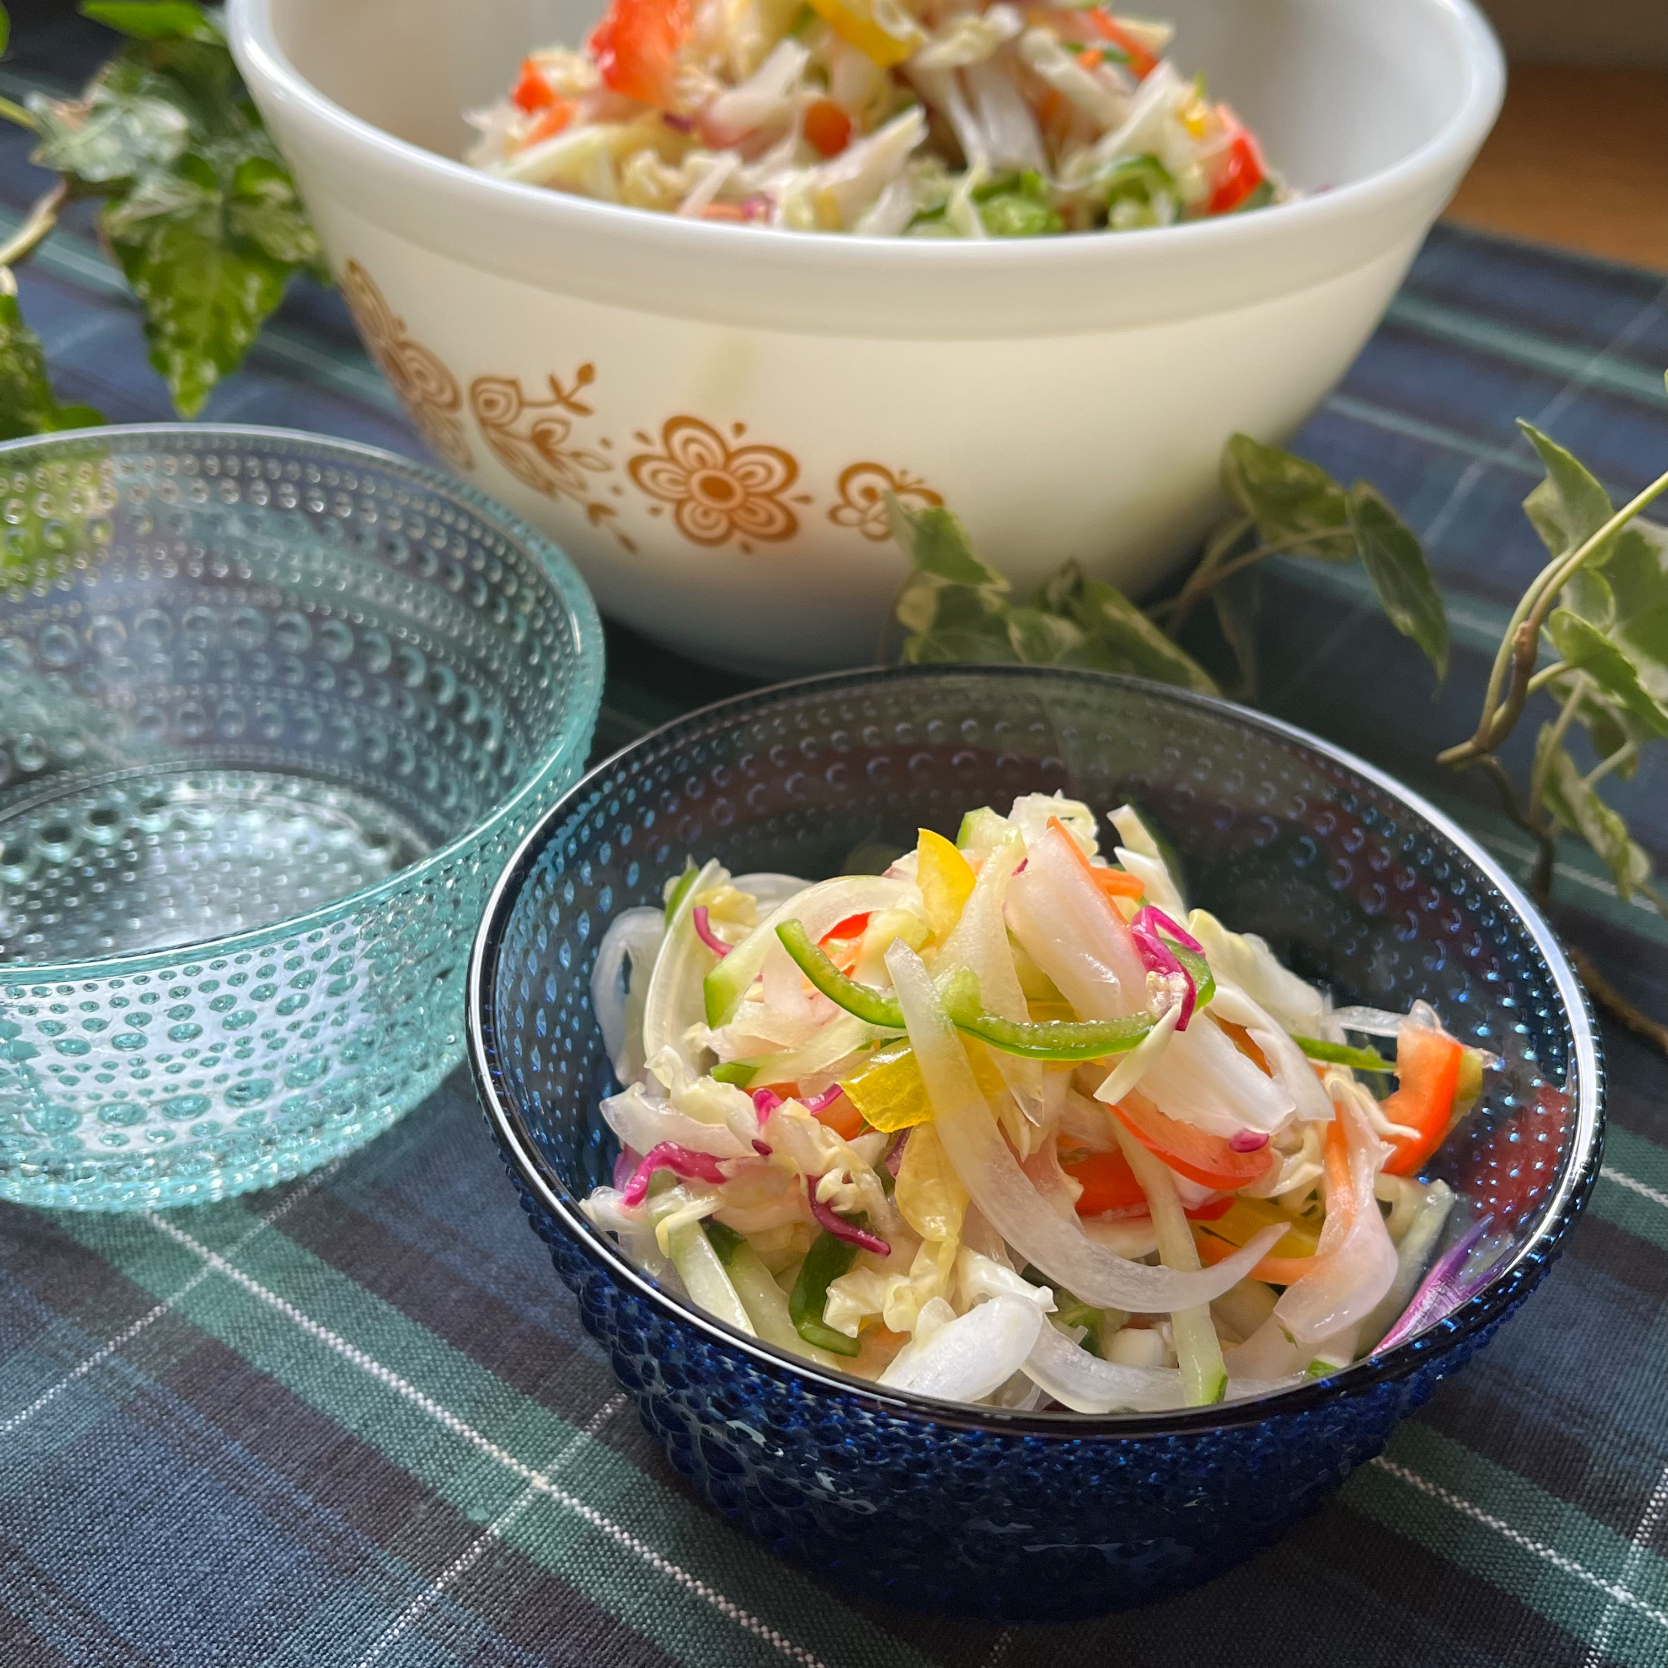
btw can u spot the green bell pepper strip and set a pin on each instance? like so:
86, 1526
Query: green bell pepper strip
1341, 1054
737, 1072
1061, 1039
872, 1006
824, 1263
680, 891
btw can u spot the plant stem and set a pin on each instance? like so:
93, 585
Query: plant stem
1623, 755
1547, 674
1545, 755
1543, 834
1520, 647
40, 220
16, 113
1611, 1001
1212, 570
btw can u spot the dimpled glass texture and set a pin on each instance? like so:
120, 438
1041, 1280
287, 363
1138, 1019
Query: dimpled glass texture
274, 711
971, 1510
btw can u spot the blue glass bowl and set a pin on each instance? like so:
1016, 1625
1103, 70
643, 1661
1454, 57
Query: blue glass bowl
274, 711
1353, 880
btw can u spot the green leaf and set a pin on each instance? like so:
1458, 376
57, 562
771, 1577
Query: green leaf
27, 405
1042, 639
1569, 506
205, 294
5, 28
152, 20
1609, 728
1579, 808
1396, 565
128, 122
1288, 497
1607, 662
1120, 638
265, 208
937, 543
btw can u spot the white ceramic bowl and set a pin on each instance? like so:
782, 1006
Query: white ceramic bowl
706, 415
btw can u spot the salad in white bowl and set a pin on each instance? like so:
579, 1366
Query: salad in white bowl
1009, 1124
918, 118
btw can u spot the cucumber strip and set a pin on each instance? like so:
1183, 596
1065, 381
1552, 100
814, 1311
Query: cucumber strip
765, 1301
704, 1278
1198, 1350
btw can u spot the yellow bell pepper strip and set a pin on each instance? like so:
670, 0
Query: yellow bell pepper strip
889, 1093
946, 880
1341, 1054
888, 1090
856, 21
824, 1263
1245, 1218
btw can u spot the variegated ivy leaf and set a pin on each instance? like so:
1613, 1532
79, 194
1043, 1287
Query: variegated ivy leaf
27, 403
128, 122
1288, 497
1578, 807
1396, 565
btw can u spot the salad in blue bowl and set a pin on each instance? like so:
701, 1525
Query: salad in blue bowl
1024, 1135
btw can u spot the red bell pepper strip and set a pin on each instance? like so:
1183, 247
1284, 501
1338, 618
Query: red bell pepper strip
1210, 1160
636, 47
532, 91
1242, 166
1428, 1066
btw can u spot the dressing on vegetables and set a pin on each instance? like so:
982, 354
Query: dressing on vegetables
884, 118
1009, 1124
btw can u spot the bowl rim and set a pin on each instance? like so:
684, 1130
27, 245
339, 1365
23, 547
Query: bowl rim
254, 40
577, 725
1508, 1283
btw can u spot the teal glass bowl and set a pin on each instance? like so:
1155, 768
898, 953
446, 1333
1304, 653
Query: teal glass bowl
274, 712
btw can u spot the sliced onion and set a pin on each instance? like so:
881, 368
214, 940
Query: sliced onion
1086, 1384
674, 1000
1248, 1141
1062, 920
768, 890
819, 1102
633, 936
1202, 1079
1350, 1277
966, 1359
979, 943
818, 907
1287, 1063
1002, 1191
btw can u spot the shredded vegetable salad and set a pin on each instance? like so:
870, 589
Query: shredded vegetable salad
919, 118
1009, 1124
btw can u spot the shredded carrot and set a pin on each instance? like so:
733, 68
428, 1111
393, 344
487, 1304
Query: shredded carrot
552, 119
1112, 883
728, 212
1245, 1043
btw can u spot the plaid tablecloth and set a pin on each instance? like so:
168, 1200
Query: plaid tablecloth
355, 1420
